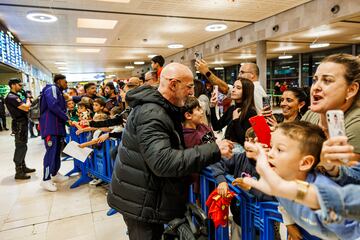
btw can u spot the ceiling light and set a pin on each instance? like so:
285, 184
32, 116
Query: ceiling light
96, 23
215, 27
60, 63
197, 71
88, 50
129, 67
139, 63
175, 45
247, 56
219, 68
285, 56
319, 45
90, 40
115, 1
285, 48
62, 68
151, 55
41, 17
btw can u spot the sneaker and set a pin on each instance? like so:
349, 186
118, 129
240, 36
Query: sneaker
95, 182
48, 185
28, 170
59, 178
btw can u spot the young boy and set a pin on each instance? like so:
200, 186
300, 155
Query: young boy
240, 165
98, 107
295, 152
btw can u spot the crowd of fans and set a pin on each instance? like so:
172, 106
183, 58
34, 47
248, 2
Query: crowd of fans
169, 136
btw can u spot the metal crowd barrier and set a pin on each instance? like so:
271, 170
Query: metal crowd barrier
257, 218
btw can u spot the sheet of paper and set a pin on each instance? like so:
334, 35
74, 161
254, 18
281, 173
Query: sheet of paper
72, 149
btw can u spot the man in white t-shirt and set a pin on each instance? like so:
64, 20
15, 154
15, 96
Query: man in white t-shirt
251, 72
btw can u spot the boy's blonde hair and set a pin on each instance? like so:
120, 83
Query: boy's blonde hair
100, 117
309, 136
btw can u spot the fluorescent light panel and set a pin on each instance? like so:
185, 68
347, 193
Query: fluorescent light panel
91, 40
88, 50
96, 23
175, 45
319, 45
139, 63
285, 56
60, 63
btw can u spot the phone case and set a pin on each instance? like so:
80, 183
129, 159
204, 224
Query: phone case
335, 121
266, 101
261, 129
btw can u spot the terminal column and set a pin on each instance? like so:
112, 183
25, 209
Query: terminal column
261, 61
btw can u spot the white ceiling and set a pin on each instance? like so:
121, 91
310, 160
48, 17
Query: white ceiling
159, 21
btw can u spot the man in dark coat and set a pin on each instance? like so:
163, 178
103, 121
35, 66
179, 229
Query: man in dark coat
149, 185
2, 114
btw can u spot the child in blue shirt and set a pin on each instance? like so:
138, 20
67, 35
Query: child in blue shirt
296, 148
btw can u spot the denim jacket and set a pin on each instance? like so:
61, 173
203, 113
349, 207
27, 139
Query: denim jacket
312, 220
338, 202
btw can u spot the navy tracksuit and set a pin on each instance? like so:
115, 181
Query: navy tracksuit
52, 127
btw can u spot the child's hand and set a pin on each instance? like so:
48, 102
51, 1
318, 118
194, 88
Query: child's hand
226, 147
222, 189
240, 182
103, 138
213, 99
293, 232
79, 131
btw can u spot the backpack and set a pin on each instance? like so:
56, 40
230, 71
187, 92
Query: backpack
185, 228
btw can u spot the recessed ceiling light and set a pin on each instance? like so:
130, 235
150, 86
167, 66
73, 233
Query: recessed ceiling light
175, 45
215, 27
88, 50
319, 45
60, 63
96, 23
116, 1
219, 68
139, 63
151, 55
41, 17
129, 67
285, 56
90, 40
247, 56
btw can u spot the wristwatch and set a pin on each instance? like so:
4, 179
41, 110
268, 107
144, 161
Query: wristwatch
208, 74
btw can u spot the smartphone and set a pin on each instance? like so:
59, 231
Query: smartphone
266, 102
336, 126
261, 129
335, 121
198, 55
216, 91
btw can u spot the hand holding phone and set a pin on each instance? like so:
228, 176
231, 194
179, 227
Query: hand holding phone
336, 126
198, 56
261, 129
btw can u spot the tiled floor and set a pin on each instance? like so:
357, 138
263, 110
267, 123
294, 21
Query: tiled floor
28, 212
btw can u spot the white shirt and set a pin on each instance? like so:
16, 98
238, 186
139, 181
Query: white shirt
259, 93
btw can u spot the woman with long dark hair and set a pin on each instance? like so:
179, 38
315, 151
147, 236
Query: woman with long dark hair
236, 118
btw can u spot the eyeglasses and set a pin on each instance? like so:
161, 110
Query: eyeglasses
189, 85
243, 72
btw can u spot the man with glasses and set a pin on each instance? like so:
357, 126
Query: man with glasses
251, 72
150, 178
52, 127
151, 79
19, 114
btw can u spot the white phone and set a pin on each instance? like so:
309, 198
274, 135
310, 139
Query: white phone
335, 121
336, 126
216, 91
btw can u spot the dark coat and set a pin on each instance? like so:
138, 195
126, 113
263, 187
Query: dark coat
149, 178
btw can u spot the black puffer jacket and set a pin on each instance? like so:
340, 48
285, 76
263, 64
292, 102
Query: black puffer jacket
150, 173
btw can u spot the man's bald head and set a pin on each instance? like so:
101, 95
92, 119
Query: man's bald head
249, 71
176, 83
177, 71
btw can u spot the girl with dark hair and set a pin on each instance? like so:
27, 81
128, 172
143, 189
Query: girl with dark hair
236, 118
294, 102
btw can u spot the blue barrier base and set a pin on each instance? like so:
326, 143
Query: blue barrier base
111, 212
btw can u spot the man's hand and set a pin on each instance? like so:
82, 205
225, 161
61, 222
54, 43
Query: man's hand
222, 189
202, 66
293, 232
225, 147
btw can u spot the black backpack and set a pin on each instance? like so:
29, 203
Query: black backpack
185, 228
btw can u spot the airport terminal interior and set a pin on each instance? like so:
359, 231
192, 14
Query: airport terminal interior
118, 42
